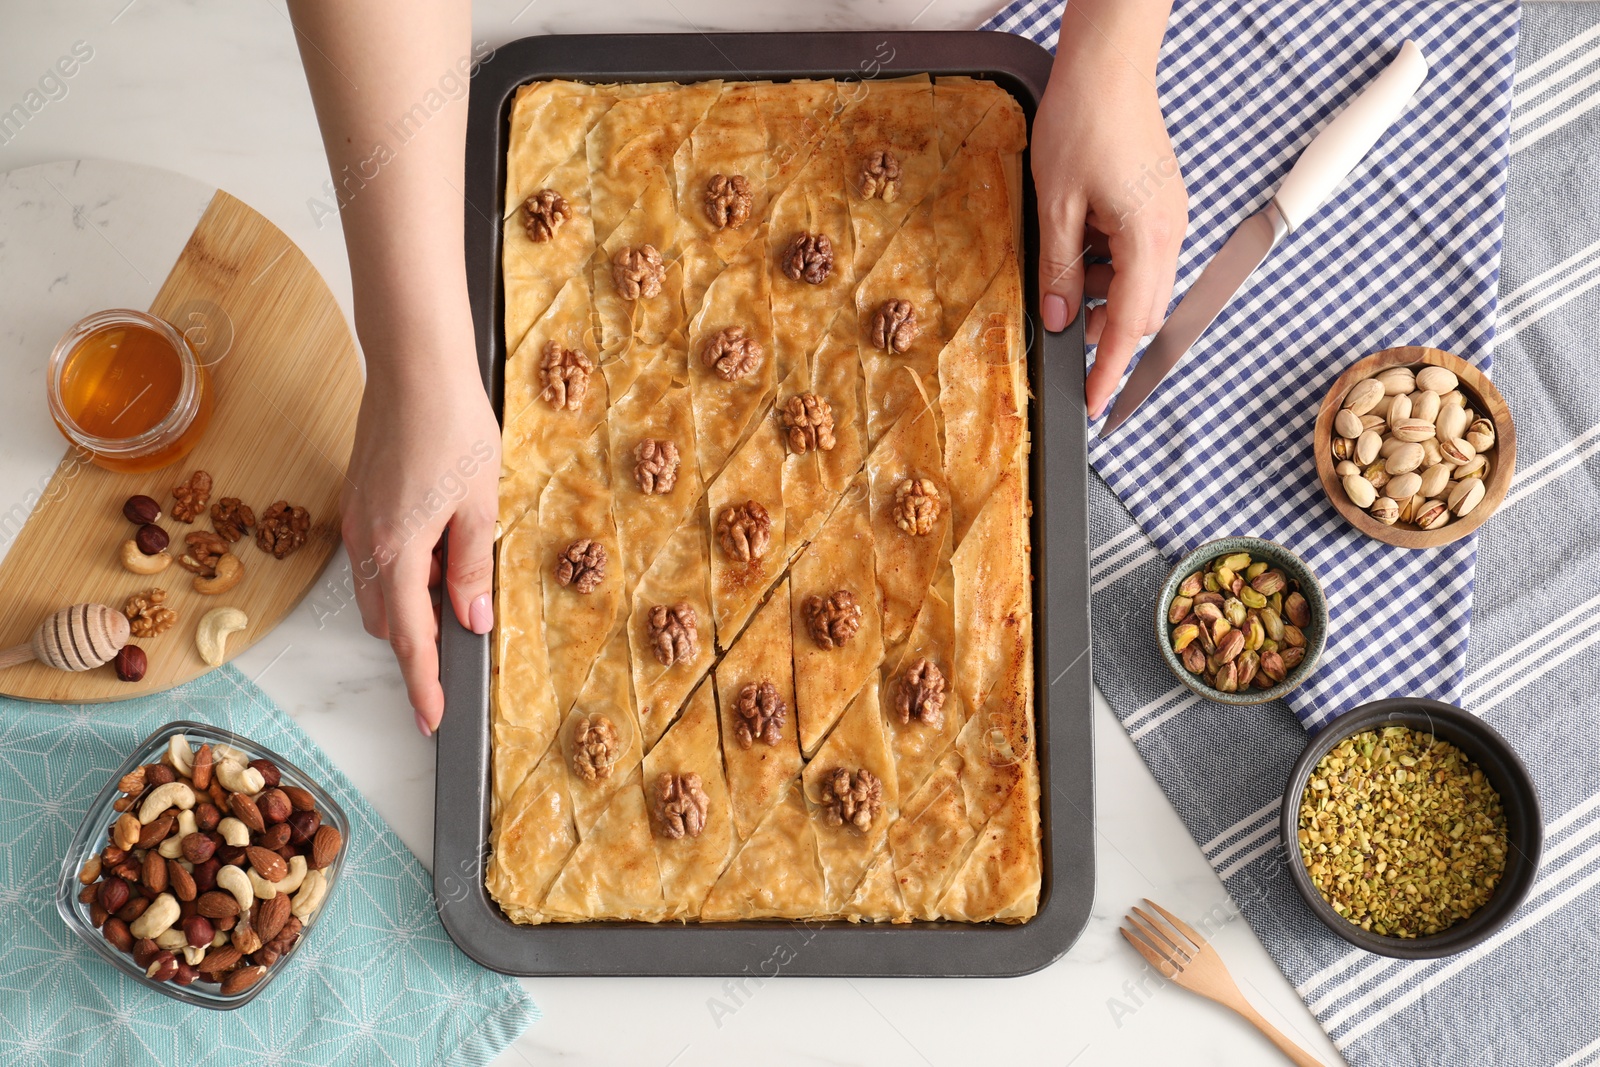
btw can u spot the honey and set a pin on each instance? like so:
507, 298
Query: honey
126, 388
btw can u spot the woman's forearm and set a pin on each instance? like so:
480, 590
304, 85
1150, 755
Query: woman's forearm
391, 100
1130, 30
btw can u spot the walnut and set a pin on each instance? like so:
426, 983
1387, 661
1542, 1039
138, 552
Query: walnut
727, 200
595, 748
564, 376
673, 633
231, 518
744, 531
283, 528
880, 176
732, 354
761, 714
852, 798
543, 213
833, 620
638, 271
916, 506
192, 496
203, 550
809, 256
808, 423
582, 565
147, 615
920, 694
655, 465
894, 326
680, 805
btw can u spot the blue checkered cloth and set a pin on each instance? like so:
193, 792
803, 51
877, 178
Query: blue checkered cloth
1407, 251
1413, 258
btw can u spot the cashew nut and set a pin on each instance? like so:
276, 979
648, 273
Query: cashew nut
211, 636
180, 755
162, 797
139, 563
237, 882
263, 889
297, 874
237, 778
219, 938
172, 847
230, 572
224, 751
192, 956
234, 832
157, 918
309, 899
172, 938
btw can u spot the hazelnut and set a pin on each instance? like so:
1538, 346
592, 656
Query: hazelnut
302, 824
198, 931
197, 847
163, 968
116, 932
206, 816
186, 974
145, 950
131, 663
275, 807
151, 539
276, 836
269, 772
113, 894
141, 510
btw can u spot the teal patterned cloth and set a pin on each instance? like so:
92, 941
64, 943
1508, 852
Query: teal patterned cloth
376, 980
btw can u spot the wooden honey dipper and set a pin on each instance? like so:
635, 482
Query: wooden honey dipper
73, 639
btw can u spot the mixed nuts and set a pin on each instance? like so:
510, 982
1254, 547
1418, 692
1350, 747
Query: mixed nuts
1401, 833
1410, 449
1241, 622
212, 868
281, 529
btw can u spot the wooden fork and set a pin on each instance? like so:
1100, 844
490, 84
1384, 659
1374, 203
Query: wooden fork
1183, 956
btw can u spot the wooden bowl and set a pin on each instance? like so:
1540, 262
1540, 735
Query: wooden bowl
1485, 398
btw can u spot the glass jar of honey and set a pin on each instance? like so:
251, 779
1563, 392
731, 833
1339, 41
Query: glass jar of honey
126, 388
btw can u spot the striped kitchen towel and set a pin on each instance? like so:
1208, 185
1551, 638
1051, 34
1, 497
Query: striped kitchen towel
1530, 995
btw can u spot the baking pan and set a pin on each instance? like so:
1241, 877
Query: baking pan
1060, 559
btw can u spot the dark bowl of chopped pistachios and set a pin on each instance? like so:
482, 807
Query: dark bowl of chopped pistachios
1411, 828
1241, 620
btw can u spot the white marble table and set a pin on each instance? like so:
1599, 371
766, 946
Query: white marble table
216, 92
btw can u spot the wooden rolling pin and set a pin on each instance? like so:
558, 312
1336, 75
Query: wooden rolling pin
73, 639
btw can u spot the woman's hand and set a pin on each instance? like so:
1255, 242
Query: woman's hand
1108, 184
426, 460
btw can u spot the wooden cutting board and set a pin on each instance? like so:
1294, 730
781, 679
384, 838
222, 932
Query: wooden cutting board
287, 384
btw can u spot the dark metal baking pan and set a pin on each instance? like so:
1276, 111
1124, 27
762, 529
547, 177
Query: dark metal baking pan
1060, 557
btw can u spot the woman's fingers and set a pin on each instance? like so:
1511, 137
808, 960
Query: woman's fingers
469, 574
1097, 281
413, 633
1128, 302
1061, 264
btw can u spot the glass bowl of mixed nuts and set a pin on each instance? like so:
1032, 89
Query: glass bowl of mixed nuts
1415, 446
1241, 620
1411, 828
203, 864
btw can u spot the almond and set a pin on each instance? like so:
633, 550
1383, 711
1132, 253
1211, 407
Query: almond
268, 865
324, 847
270, 915
242, 979
156, 832
300, 798
155, 872
216, 904
181, 881
220, 959
201, 772
244, 809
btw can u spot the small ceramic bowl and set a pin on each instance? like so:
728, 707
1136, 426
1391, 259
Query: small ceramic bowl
1259, 549
1484, 398
1499, 763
